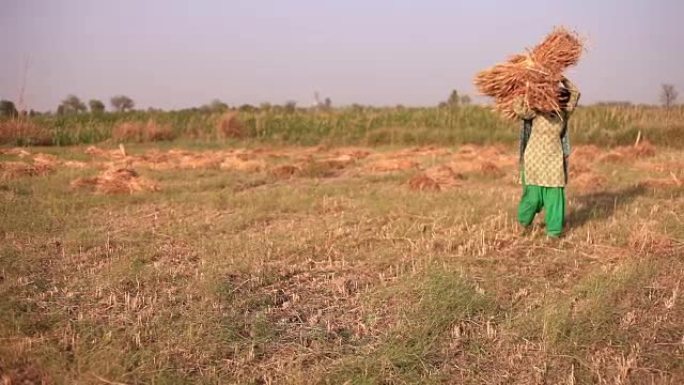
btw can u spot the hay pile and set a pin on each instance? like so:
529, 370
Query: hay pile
391, 165
13, 170
422, 182
116, 181
18, 151
535, 75
237, 164
285, 171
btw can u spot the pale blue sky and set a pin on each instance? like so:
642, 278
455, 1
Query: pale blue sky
174, 53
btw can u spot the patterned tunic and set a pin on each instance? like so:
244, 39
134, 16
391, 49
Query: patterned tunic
544, 144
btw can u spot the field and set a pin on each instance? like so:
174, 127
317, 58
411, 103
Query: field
268, 263
360, 126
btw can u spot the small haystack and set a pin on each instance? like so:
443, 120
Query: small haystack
389, 165
237, 164
18, 151
75, 164
535, 75
46, 160
444, 175
491, 169
116, 181
199, 161
13, 170
422, 182
338, 162
284, 171
354, 153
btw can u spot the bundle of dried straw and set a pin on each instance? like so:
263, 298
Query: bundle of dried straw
535, 75
116, 181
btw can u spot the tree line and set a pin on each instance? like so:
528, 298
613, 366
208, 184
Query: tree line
121, 103
73, 105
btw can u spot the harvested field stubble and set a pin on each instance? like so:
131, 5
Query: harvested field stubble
12, 170
314, 265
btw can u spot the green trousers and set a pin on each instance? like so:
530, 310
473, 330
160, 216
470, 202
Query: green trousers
552, 199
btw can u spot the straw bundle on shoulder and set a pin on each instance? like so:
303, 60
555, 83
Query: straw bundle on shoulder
561, 49
535, 76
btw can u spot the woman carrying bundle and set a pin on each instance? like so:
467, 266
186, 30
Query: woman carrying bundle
544, 151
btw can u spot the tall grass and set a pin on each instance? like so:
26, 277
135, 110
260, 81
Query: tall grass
600, 125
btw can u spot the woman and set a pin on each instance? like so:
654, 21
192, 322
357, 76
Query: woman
544, 149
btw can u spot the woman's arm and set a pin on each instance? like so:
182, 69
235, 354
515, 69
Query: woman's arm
574, 95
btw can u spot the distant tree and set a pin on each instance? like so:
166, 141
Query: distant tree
668, 95
96, 106
454, 99
290, 106
265, 106
7, 109
246, 108
218, 106
122, 103
465, 100
215, 106
327, 103
356, 107
71, 105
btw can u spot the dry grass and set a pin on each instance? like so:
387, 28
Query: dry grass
535, 76
332, 270
116, 181
13, 170
422, 182
142, 132
229, 126
24, 132
629, 153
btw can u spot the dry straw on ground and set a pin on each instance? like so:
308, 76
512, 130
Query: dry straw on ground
422, 182
12, 170
535, 75
116, 181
